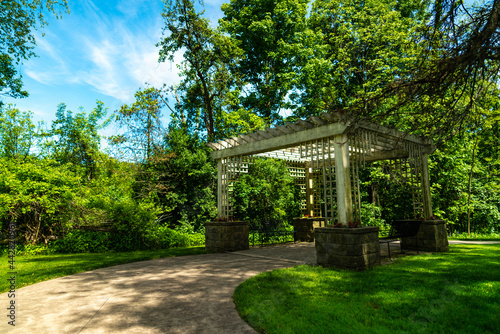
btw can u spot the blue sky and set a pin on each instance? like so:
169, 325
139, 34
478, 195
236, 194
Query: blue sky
103, 50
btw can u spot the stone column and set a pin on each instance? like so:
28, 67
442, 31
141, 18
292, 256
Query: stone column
431, 237
224, 236
304, 228
347, 248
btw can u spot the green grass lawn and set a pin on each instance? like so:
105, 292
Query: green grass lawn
454, 292
475, 236
38, 268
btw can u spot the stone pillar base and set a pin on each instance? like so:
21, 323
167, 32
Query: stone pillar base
431, 237
304, 228
347, 248
224, 236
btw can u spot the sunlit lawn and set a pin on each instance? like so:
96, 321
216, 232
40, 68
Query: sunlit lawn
454, 292
33, 269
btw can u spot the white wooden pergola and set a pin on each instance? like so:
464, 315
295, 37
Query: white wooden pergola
326, 154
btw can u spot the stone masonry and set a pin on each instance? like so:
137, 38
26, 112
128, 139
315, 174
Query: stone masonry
431, 237
224, 236
347, 248
304, 228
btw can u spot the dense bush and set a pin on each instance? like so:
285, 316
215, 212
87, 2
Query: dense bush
159, 237
39, 195
266, 193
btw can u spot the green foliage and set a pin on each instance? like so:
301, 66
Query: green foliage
18, 20
449, 169
189, 179
39, 195
271, 35
142, 123
266, 193
367, 45
74, 139
17, 135
371, 215
83, 242
162, 237
207, 90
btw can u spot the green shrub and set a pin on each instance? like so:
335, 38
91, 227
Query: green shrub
266, 193
163, 237
84, 242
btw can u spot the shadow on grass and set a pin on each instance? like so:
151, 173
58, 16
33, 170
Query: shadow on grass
457, 291
34, 269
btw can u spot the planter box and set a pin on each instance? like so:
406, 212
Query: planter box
224, 236
431, 237
304, 227
347, 248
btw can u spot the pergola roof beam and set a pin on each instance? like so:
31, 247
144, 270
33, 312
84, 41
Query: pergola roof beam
284, 141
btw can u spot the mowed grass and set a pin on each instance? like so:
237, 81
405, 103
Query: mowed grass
475, 236
454, 292
38, 268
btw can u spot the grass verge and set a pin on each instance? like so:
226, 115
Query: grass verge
475, 236
454, 292
39, 268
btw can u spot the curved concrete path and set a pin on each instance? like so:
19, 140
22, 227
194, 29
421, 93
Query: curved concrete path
188, 294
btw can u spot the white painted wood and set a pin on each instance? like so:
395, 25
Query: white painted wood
392, 132
247, 138
265, 134
220, 210
305, 124
343, 179
294, 126
284, 129
255, 136
426, 187
284, 141
309, 190
317, 121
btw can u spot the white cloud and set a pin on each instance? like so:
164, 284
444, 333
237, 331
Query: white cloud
112, 53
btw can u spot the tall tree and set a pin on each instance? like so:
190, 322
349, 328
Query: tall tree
205, 91
368, 45
17, 135
142, 123
18, 19
460, 63
75, 139
272, 35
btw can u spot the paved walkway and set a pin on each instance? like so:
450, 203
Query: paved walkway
189, 294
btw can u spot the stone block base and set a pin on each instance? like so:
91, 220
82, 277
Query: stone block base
431, 237
304, 228
347, 248
223, 236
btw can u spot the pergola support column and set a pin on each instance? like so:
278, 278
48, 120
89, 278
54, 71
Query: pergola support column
220, 209
309, 189
343, 179
426, 187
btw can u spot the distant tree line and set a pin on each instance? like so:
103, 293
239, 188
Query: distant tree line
428, 68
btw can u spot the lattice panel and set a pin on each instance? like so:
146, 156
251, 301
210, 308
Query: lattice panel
317, 193
321, 155
298, 172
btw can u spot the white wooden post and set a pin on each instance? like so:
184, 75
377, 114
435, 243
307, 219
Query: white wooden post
426, 187
343, 179
309, 190
220, 210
